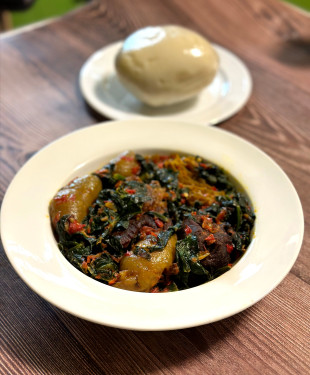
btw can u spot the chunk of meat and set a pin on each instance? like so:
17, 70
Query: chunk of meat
157, 198
133, 229
219, 256
75, 198
140, 274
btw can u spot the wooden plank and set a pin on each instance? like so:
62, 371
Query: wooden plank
40, 101
39, 338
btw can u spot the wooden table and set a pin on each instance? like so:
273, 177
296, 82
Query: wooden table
40, 101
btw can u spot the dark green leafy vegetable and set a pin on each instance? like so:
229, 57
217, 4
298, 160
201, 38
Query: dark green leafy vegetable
191, 273
103, 267
153, 204
162, 239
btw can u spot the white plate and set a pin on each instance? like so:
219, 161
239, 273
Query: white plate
224, 97
31, 248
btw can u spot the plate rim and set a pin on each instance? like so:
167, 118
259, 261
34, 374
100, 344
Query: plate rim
114, 114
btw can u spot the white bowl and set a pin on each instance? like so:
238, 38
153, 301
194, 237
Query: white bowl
31, 248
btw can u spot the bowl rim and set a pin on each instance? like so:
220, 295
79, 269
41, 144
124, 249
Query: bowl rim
253, 277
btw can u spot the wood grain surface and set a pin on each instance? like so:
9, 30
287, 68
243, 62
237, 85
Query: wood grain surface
40, 101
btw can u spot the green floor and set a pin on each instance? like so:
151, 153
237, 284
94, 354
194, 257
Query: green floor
304, 4
43, 9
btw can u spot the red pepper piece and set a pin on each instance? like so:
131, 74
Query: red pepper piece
90, 258
210, 239
130, 191
135, 170
229, 248
113, 281
159, 223
187, 230
207, 222
84, 266
75, 226
221, 215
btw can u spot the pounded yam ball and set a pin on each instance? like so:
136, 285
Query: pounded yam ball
164, 65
